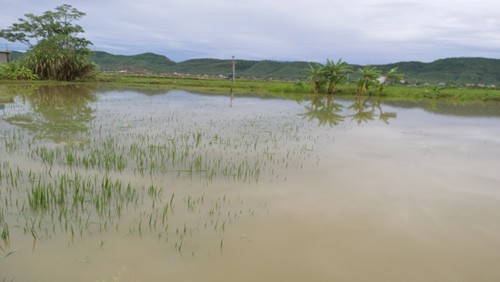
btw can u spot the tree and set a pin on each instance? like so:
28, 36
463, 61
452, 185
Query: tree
332, 74
55, 50
335, 73
316, 77
367, 77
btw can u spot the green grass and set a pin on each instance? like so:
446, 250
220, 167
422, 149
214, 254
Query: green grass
262, 88
448, 94
296, 89
209, 85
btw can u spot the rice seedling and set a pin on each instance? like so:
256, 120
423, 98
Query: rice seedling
12, 141
5, 235
147, 171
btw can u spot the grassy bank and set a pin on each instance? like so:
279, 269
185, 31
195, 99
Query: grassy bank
270, 88
205, 84
297, 88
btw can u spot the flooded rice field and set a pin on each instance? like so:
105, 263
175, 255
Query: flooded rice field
179, 186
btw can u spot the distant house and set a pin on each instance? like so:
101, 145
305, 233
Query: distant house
4, 56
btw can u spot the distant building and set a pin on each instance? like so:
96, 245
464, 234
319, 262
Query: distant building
4, 56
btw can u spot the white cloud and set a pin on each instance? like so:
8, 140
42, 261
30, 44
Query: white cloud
359, 31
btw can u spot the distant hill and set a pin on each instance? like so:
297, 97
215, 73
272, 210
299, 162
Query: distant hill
244, 68
451, 71
147, 62
154, 63
458, 71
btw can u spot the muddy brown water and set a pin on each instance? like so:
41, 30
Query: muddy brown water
264, 189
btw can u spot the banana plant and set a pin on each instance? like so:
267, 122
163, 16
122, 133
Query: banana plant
316, 77
367, 77
335, 73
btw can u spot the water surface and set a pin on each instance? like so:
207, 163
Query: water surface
143, 186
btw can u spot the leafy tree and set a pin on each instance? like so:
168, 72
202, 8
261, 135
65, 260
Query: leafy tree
367, 77
332, 74
335, 73
316, 76
55, 50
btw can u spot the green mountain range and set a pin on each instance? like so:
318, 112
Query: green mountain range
153, 63
457, 71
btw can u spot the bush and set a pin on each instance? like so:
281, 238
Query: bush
14, 71
51, 61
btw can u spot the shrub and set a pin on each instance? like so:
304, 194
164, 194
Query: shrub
51, 61
14, 71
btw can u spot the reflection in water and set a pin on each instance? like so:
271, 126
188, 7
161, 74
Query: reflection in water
361, 110
231, 98
384, 116
59, 112
459, 109
325, 110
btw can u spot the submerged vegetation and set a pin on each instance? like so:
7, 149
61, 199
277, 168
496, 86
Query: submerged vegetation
74, 168
69, 171
86, 167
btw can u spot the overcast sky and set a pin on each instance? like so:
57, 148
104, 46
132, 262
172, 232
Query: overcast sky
358, 31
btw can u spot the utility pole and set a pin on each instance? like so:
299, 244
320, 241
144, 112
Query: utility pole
234, 69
